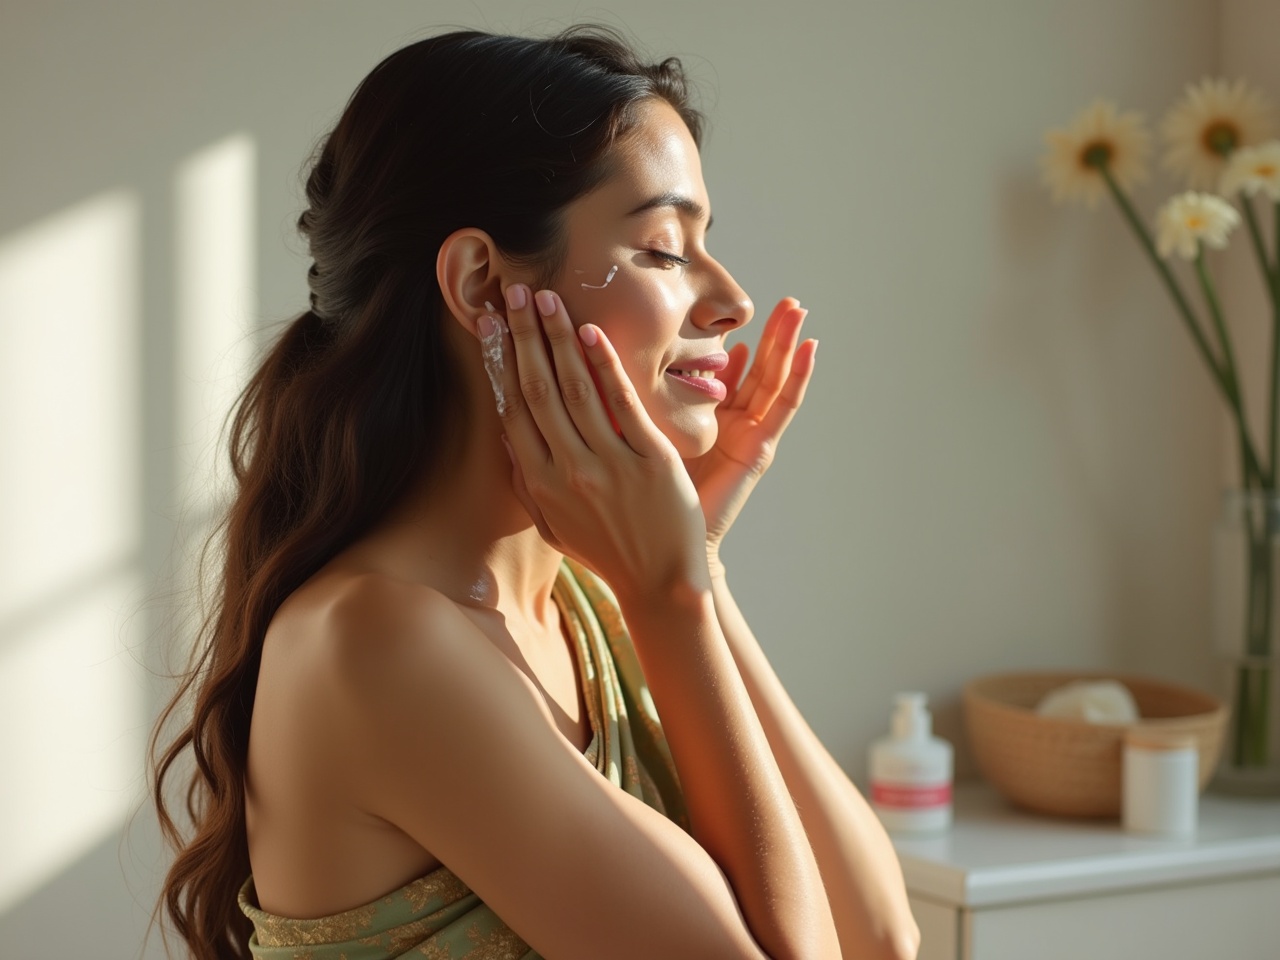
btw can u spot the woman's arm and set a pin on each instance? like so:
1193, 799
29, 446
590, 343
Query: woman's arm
740, 810
593, 493
858, 864
436, 731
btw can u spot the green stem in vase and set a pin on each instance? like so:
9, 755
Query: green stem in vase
1250, 746
1231, 376
1272, 273
1270, 281
1253, 469
1251, 699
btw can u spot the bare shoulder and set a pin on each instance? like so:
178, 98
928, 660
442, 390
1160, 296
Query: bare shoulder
342, 654
439, 734
390, 652
368, 617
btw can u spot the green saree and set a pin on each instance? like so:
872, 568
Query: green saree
437, 916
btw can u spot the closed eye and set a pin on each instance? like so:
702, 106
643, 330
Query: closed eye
670, 258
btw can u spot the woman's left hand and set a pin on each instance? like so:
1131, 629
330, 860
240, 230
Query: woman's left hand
752, 418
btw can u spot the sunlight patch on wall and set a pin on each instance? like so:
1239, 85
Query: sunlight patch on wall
71, 711
216, 307
72, 718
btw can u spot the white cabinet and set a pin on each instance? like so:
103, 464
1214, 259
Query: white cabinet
1008, 885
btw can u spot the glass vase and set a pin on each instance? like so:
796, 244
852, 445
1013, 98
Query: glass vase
1246, 622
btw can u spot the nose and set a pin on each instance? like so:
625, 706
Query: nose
724, 306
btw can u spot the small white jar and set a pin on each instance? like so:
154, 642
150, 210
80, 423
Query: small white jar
1161, 783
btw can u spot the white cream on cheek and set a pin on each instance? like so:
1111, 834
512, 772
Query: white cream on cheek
644, 319
613, 272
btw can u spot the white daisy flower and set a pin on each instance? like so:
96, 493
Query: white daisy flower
1251, 169
1098, 137
1209, 124
1190, 219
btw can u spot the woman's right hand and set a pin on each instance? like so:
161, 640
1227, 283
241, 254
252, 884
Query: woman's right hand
618, 501
622, 503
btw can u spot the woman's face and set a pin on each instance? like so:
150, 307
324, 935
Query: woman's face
623, 273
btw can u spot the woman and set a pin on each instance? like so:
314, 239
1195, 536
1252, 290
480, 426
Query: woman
474, 555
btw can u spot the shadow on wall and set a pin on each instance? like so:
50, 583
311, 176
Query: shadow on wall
110, 414
111, 886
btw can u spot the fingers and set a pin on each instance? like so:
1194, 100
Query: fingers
581, 399
640, 432
526, 499
551, 406
747, 389
535, 419
792, 392
773, 360
776, 363
731, 376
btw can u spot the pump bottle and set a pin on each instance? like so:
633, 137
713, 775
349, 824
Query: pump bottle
911, 772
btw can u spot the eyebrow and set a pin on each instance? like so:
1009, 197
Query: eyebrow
679, 201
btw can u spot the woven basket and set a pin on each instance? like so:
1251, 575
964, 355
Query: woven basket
1070, 767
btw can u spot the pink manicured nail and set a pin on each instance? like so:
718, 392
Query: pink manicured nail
588, 335
517, 296
546, 301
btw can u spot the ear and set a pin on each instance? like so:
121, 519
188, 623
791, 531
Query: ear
470, 271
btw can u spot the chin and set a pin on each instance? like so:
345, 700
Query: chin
693, 437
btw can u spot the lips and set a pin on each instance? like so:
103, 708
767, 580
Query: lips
698, 373
708, 363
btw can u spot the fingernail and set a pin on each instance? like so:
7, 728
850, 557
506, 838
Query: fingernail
588, 335
487, 326
517, 296
546, 301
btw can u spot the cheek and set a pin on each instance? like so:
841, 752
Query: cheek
640, 313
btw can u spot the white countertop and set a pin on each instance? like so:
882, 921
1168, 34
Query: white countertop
996, 854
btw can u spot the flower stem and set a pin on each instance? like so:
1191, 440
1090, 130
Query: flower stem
1230, 371
1273, 275
1269, 276
1259, 245
1226, 385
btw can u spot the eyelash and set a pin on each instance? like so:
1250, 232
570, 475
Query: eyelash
670, 258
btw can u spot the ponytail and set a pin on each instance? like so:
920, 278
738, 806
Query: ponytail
358, 400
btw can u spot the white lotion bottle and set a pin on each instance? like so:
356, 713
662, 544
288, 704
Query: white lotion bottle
911, 771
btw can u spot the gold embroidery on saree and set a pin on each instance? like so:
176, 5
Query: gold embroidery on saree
442, 885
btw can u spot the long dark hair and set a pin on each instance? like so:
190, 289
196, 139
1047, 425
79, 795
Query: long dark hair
357, 400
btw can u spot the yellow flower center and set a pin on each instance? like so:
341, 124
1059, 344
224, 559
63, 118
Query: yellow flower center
1265, 170
1096, 154
1195, 222
1221, 137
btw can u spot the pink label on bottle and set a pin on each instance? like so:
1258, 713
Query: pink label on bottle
905, 797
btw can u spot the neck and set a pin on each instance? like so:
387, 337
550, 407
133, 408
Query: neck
471, 538
467, 534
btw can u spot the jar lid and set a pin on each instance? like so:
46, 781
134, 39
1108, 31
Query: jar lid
1149, 739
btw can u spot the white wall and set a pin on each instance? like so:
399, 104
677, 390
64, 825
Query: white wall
1009, 458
